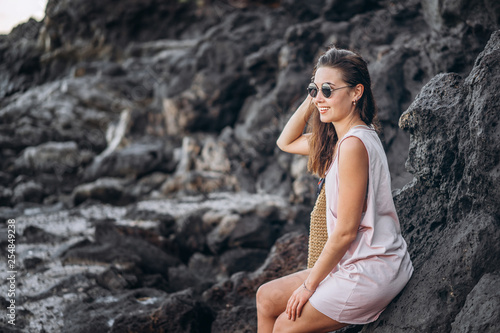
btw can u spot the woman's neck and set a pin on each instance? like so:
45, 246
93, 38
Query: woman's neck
343, 127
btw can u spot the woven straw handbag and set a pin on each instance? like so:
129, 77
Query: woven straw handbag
318, 233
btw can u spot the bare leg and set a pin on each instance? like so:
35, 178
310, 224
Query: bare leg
272, 298
311, 320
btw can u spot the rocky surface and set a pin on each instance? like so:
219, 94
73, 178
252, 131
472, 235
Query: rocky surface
450, 210
139, 158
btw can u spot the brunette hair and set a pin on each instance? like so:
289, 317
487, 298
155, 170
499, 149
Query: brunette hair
323, 139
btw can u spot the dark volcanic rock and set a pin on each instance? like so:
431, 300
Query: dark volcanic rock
157, 105
179, 312
236, 319
34, 234
237, 295
29, 191
115, 94
133, 160
111, 246
450, 211
482, 304
237, 231
103, 313
109, 190
242, 260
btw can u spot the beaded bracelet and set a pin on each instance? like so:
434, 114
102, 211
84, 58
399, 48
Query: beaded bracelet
309, 290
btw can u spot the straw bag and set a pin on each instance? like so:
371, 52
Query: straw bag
318, 233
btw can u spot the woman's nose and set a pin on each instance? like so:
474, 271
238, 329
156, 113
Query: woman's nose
319, 96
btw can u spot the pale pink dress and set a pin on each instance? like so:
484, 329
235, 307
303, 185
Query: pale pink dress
376, 266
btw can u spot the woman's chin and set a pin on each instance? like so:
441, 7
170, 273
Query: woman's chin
324, 118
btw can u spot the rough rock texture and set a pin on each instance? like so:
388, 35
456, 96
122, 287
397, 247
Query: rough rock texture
450, 210
139, 159
482, 304
99, 90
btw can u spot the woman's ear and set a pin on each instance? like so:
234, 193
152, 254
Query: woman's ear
358, 91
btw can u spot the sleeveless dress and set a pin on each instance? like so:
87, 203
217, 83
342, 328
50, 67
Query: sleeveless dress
377, 266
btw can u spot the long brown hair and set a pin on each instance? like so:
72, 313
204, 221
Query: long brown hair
323, 139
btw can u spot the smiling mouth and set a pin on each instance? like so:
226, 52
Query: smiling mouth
323, 109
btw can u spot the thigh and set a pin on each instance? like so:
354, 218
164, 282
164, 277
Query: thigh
273, 296
311, 320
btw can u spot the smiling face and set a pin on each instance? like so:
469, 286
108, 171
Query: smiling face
338, 107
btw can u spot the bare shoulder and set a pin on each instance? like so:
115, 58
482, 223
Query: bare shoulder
353, 160
353, 148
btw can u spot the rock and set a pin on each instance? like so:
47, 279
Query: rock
242, 231
147, 184
184, 278
213, 157
179, 312
112, 247
5, 196
187, 154
115, 280
257, 114
453, 131
445, 14
59, 111
201, 273
237, 295
205, 267
172, 111
340, 11
253, 232
133, 161
32, 262
166, 222
288, 255
21, 58
237, 318
191, 234
56, 157
203, 182
30, 191
274, 180
33, 234
108, 190
115, 313
481, 304
217, 239
241, 260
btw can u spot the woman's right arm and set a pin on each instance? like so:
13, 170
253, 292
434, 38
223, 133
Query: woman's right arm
292, 140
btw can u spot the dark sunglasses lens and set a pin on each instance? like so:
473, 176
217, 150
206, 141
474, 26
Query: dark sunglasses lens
312, 90
326, 90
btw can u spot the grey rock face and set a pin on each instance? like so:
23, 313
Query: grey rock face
138, 156
482, 304
449, 212
112, 87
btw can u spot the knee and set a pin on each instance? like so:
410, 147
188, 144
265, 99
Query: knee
261, 295
264, 303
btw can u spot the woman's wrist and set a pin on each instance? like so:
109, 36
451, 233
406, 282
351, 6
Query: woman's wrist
307, 289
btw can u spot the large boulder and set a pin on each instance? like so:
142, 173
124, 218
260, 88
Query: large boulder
449, 212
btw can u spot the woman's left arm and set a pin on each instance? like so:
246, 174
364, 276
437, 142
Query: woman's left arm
353, 180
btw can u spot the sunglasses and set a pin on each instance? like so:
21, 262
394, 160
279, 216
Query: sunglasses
326, 89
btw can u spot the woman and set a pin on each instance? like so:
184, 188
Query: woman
365, 262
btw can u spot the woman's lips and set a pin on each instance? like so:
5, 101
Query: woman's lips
323, 110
